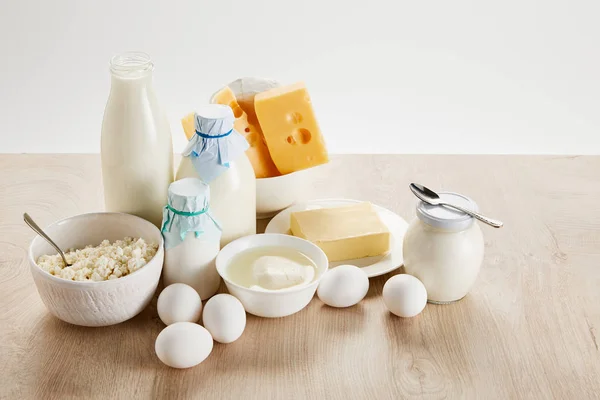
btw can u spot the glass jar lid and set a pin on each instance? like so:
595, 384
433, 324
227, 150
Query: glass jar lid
445, 217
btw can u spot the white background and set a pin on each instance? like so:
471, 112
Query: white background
386, 76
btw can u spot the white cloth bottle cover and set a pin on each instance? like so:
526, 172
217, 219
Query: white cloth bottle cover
188, 211
215, 143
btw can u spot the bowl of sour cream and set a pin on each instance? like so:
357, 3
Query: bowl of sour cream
273, 275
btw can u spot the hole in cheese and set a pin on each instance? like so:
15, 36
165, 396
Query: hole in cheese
291, 140
247, 130
294, 118
303, 135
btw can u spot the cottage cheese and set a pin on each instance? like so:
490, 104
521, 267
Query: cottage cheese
104, 262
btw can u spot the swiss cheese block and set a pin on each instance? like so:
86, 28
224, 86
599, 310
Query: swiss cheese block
343, 233
257, 153
290, 128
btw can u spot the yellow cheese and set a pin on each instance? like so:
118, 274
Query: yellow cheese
290, 128
343, 233
188, 125
258, 153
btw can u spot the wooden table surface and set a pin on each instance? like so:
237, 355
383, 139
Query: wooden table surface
528, 329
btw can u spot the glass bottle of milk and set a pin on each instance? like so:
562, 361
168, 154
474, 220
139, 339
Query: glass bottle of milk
217, 155
191, 237
136, 150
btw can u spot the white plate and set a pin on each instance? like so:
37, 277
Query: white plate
373, 266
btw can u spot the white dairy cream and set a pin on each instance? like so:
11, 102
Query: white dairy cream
275, 272
271, 268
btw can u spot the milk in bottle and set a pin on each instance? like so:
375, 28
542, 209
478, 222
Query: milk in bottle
136, 148
216, 154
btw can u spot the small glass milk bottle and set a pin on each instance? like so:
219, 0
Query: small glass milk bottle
217, 155
192, 238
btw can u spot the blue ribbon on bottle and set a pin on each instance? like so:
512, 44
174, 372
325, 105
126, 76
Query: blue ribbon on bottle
205, 136
170, 220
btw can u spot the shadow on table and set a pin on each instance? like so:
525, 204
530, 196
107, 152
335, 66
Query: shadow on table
376, 283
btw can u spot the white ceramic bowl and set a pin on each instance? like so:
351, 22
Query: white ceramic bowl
280, 192
97, 303
272, 304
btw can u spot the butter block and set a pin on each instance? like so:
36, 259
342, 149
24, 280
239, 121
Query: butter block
257, 153
290, 128
343, 233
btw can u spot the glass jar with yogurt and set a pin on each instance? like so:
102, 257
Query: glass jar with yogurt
191, 238
444, 249
217, 155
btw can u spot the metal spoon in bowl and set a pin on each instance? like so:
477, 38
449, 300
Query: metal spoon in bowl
431, 197
40, 232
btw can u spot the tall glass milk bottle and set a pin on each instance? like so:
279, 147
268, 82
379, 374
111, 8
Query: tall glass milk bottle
217, 155
136, 151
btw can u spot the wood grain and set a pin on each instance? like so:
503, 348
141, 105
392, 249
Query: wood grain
529, 329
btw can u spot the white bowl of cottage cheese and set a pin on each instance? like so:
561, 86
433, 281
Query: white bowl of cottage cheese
116, 262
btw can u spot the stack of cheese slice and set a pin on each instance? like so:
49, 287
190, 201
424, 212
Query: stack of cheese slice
280, 126
343, 233
258, 153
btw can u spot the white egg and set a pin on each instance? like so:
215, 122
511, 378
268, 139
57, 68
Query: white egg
404, 295
183, 345
343, 286
179, 303
224, 317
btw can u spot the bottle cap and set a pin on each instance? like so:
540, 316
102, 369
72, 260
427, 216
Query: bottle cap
189, 195
188, 211
214, 120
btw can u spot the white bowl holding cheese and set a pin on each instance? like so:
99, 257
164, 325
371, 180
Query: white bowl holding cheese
272, 303
101, 303
280, 192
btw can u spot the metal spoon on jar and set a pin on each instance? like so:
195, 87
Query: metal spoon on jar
431, 197
40, 232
